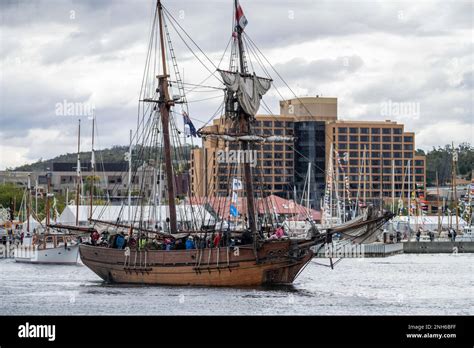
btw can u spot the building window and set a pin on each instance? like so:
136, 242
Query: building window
364, 138
419, 163
354, 138
353, 130
375, 130
375, 162
397, 146
354, 162
375, 154
354, 154
364, 131
419, 178
376, 138
386, 131
397, 131
267, 123
342, 146
386, 146
386, 139
386, 155
375, 146
278, 132
278, 147
408, 139
342, 138
408, 146
278, 124
353, 146
289, 124
408, 154
342, 130
397, 139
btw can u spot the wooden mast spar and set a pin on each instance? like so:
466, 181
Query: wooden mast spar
165, 104
245, 129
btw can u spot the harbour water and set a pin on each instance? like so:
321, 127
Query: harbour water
429, 284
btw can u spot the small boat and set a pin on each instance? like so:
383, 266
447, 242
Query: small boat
48, 249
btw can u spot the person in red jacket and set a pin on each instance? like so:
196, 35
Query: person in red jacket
217, 240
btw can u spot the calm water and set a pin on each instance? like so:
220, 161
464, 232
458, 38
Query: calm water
402, 284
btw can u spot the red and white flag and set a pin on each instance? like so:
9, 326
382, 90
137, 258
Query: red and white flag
240, 17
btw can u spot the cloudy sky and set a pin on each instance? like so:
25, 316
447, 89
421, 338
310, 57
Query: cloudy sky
373, 56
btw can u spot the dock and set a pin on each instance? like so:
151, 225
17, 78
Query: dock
385, 250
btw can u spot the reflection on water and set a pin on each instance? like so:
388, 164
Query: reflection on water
402, 284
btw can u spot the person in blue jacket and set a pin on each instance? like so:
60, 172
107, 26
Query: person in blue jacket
120, 241
189, 243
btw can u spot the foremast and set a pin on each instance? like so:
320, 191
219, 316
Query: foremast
165, 104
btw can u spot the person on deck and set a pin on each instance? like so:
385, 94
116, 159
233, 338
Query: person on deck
190, 243
94, 237
120, 241
217, 240
278, 233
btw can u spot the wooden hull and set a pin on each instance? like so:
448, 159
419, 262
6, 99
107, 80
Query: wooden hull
276, 262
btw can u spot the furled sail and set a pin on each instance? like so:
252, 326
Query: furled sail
255, 138
248, 89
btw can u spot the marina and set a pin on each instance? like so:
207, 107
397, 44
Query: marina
236, 172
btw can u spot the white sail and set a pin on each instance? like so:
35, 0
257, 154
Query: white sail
249, 89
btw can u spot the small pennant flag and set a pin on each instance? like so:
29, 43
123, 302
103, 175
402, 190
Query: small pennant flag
233, 210
236, 184
240, 17
235, 197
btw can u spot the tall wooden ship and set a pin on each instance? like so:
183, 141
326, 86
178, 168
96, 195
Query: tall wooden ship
241, 258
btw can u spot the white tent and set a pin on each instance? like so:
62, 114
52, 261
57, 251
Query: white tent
34, 224
186, 214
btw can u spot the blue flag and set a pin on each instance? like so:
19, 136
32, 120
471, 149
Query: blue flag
187, 121
233, 210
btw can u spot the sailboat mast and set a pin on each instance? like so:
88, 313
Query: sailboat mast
437, 204
165, 105
453, 180
245, 129
78, 171
130, 180
92, 168
28, 204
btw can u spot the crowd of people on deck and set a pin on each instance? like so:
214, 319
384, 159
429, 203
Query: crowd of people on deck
216, 239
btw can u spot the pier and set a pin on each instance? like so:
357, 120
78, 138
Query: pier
384, 250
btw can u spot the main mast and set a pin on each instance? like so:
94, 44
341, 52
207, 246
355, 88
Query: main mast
165, 104
245, 129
